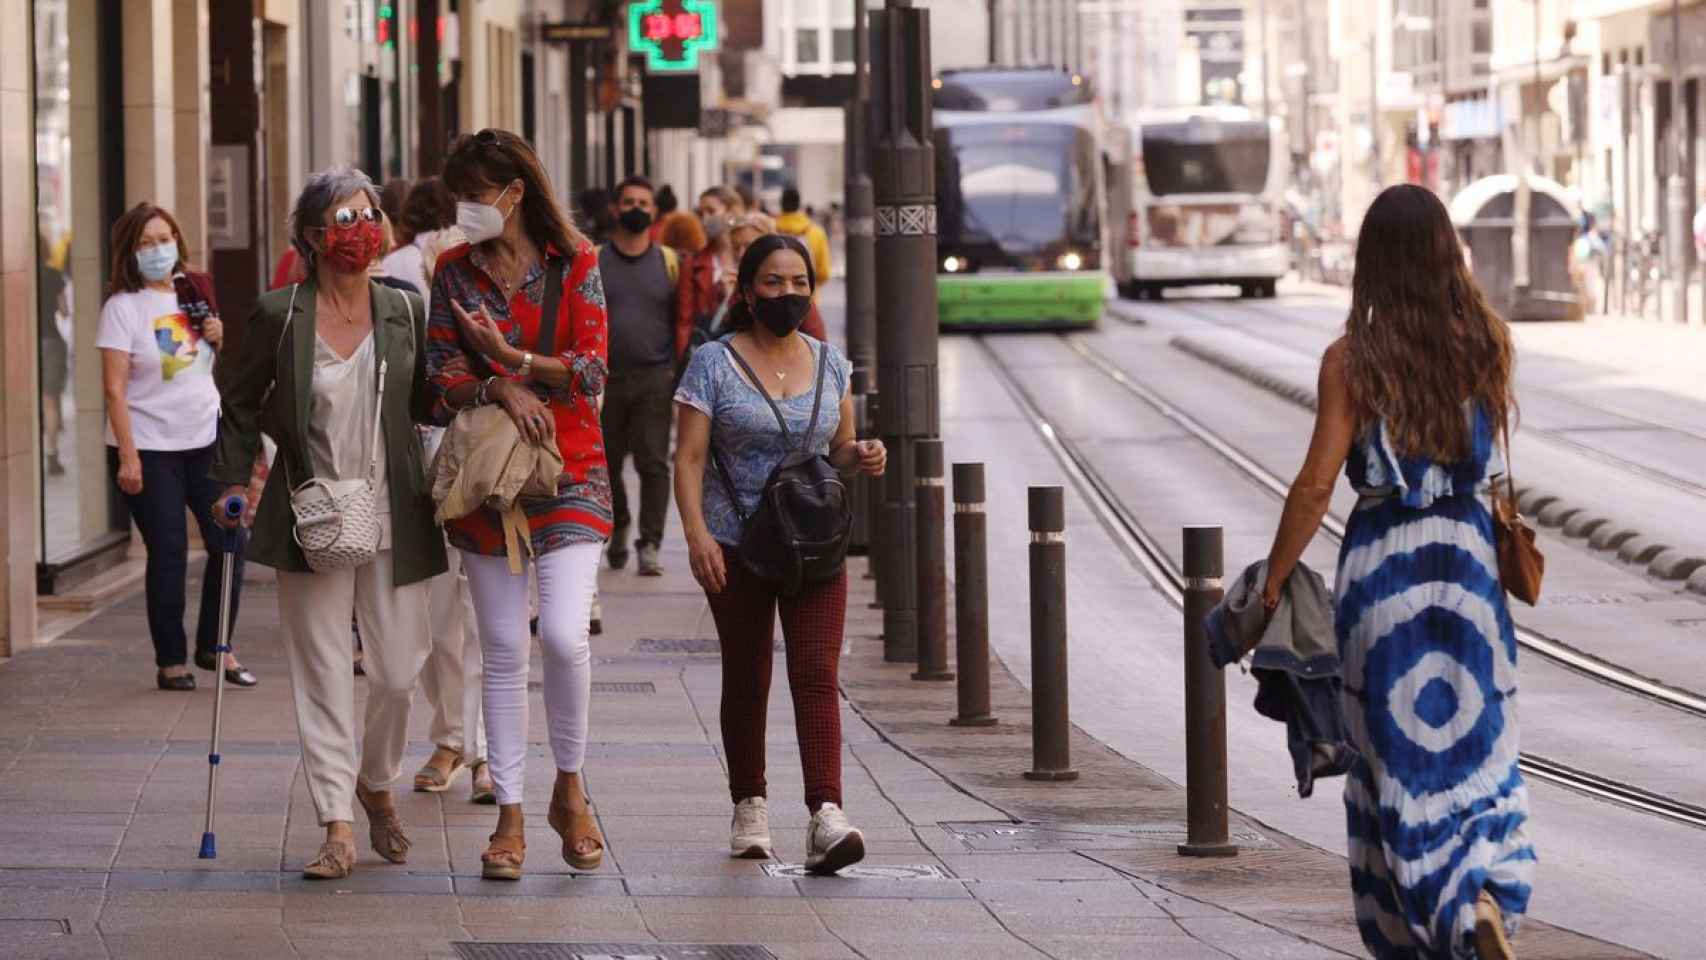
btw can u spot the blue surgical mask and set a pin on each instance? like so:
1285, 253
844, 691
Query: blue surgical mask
156, 262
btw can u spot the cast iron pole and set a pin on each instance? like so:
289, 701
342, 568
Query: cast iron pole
861, 267
1676, 186
903, 176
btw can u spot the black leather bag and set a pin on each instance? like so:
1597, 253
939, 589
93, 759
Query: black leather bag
799, 534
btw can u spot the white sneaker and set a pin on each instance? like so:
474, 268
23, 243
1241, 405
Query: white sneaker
749, 834
832, 842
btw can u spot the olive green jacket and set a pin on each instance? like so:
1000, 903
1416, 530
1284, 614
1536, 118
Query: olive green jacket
265, 389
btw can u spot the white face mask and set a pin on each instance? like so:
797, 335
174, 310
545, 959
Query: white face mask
480, 222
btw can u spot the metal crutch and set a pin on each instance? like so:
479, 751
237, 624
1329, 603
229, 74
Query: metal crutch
233, 509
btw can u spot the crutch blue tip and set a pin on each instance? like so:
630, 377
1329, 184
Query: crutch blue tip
233, 507
208, 852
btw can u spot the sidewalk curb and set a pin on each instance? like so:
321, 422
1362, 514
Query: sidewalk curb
1602, 534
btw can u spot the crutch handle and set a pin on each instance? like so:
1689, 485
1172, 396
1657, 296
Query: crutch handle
233, 507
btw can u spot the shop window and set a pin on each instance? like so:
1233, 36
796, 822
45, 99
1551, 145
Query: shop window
79, 187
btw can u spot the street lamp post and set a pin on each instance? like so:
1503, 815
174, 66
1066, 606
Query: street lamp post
1676, 188
861, 258
903, 174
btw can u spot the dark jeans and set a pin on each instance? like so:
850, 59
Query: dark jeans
171, 481
637, 409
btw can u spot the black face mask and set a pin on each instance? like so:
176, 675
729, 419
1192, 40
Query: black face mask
635, 220
782, 315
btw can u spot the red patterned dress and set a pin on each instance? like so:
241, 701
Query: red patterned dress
581, 511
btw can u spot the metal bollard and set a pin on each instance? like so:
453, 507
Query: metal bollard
971, 597
873, 503
1205, 704
1051, 723
932, 511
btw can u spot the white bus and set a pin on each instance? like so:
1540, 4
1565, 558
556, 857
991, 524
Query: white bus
1206, 200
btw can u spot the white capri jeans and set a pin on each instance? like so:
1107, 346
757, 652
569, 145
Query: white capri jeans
568, 578
451, 679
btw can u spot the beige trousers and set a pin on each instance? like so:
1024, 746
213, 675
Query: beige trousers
314, 611
453, 674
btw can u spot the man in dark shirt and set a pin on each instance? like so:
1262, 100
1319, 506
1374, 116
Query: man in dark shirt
640, 289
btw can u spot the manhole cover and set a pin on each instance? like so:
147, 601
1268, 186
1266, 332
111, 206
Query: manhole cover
992, 836
610, 951
864, 871
678, 645
643, 686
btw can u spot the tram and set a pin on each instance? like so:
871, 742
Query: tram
1021, 200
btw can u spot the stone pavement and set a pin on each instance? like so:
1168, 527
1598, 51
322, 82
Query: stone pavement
102, 786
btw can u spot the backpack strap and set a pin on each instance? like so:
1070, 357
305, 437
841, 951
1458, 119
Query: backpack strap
671, 263
758, 385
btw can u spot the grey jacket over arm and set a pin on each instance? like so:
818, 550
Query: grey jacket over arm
1295, 658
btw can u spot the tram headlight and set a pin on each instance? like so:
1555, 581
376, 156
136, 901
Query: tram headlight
1070, 260
952, 264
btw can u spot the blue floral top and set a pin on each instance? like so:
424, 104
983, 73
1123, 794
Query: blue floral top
744, 432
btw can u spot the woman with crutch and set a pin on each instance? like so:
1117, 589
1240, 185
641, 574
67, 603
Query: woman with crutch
333, 369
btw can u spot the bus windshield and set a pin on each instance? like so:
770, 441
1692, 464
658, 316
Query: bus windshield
1022, 188
1203, 155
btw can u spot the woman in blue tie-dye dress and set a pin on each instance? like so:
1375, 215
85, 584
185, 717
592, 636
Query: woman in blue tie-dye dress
1413, 402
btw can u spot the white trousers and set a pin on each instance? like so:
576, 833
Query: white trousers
314, 610
568, 577
452, 678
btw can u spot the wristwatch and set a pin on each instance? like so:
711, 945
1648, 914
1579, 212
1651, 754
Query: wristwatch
526, 365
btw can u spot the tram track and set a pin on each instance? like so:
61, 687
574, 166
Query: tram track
1148, 556
1563, 438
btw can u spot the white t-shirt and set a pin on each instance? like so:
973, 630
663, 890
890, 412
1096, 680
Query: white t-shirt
174, 404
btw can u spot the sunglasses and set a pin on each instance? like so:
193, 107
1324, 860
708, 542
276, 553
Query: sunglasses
348, 216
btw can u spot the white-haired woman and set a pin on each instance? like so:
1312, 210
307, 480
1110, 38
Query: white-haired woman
308, 375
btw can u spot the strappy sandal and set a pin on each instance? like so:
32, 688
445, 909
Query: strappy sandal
385, 831
503, 857
334, 862
431, 779
573, 828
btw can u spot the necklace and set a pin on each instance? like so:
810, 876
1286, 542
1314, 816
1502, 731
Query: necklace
343, 313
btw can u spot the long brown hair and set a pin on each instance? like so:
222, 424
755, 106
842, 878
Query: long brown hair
1421, 338
126, 276
494, 158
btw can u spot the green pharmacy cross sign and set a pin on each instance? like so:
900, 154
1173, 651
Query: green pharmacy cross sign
672, 33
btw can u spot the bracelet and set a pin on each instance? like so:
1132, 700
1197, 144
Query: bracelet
480, 395
526, 365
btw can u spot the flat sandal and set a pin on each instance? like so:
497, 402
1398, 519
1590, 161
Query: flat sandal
503, 857
334, 862
385, 832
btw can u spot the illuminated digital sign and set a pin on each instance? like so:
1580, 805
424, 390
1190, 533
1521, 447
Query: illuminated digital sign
672, 33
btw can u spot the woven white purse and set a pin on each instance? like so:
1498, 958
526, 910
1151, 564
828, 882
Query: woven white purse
337, 521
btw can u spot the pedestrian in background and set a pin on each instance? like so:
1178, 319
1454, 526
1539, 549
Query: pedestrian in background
1415, 400
642, 281
157, 364
725, 413
796, 223
710, 275
321, 348
488, 304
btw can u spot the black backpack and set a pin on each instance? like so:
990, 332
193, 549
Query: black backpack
800, 531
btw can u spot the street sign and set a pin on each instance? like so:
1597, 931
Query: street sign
572, 32
672, 33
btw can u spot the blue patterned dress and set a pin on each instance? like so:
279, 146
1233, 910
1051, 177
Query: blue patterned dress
1435, 804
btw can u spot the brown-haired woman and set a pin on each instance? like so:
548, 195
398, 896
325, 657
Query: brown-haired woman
157, 354
1414, 401
488, 300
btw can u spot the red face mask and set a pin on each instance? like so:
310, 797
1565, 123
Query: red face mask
353, 248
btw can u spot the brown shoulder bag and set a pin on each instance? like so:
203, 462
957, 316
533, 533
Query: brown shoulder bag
1521, 565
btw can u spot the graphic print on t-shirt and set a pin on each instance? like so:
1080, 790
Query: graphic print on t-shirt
180, 347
